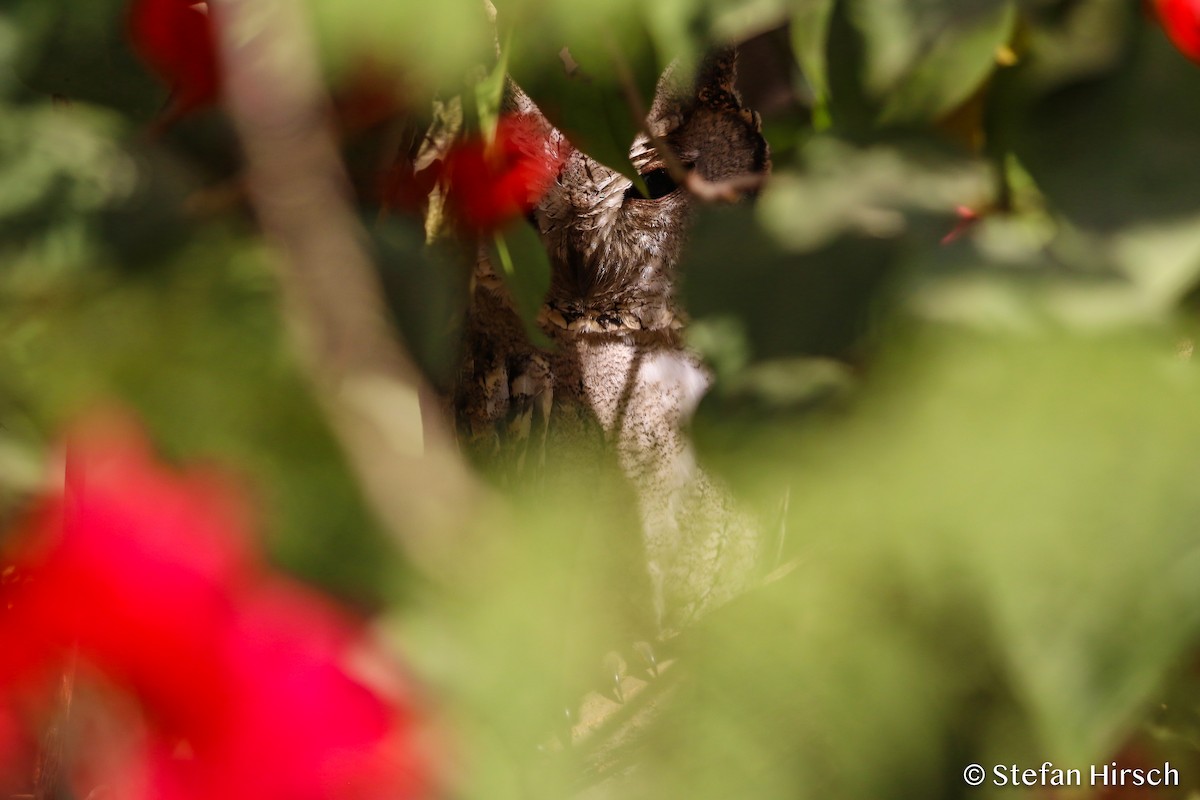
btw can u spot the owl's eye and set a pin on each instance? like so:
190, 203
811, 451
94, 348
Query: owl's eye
658, 182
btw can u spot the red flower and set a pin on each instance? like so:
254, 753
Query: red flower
306, 727
967, 217
1181, 20
134, 564
176, 39
492, 184
11, 746
245, 680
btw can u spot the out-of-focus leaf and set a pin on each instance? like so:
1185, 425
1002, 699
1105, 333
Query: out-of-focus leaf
1152, 110
1072, 42
45, 151
1027, 272
82, 54
789, 302
69, 173
789, 383
810, 31
925, 58
861, 717
21, 470
435, 43
800, 271
867, 191
489, 93
952, 70
10, 43
541, 609
967, 505
522, 260
985, 454
737, 21
682, 29
676, 28
426, 288
197, 349
777, 392
145, 223
1139, 213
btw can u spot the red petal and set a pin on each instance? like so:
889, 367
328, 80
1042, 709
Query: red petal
176, 40
147, 574
1181, 20
135, 565
491, 185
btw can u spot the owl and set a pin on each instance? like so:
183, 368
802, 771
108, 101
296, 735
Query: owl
616, 389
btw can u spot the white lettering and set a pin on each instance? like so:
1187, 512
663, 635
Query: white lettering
1112, 775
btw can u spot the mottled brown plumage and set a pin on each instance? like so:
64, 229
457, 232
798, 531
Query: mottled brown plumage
619, 386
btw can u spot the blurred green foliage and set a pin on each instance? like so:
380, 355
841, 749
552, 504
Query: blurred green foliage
988, 444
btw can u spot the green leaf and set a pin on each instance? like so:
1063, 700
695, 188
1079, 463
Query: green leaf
1018, 552
790, 302
434, 43
1068, 140
813, 252
922, 59
1138, 216
426, 287
952, 70
489, 92
1079, 546
82, 53
743, 19
523, 262
810, 34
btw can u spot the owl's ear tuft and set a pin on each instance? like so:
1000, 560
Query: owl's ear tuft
679, 91
716, 81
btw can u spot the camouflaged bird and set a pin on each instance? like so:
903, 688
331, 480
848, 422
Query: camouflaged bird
619, 383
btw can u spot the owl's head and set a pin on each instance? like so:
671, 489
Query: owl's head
613, 250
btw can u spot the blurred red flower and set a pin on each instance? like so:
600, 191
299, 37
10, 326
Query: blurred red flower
967, 218
10, 744
245, 680
1181, 20
176, 39
491, 184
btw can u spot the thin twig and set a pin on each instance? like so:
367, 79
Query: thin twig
728, 190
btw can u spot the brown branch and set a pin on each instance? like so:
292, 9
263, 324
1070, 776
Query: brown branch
365, 379
729, 190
